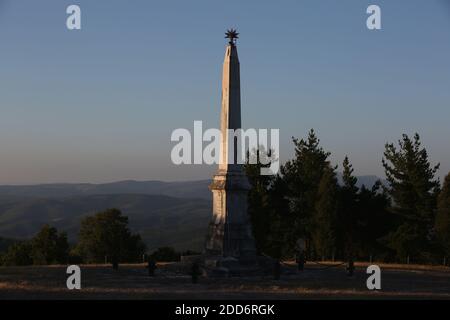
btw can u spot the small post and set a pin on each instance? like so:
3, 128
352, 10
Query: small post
143, 258
151, 266
195, 272
350, 267
407, 259
115, 263
370, 259
301, 260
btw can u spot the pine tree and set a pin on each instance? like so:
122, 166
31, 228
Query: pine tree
324, 235
348, 211
374, 222
442, 224
348, 179
258, 198
413, 189
301, 178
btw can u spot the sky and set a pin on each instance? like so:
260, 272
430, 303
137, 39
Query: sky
99, 104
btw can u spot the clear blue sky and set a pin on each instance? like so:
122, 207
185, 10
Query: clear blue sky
100, 104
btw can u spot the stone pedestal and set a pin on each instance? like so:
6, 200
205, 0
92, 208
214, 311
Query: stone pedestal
230, 233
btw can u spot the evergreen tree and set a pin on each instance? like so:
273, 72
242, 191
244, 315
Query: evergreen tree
301, 178
49, 246
107, 234
348, 211
442, 224
375, 221
324, 234
413, 189
258, 199
278, 241
18, 254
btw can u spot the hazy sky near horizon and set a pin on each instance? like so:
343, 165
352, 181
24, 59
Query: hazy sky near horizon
100, 104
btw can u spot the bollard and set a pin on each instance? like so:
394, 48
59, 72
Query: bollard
350, 268
115, 263
195, 272
151, 266
301, 261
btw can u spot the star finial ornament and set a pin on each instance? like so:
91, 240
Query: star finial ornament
232, 34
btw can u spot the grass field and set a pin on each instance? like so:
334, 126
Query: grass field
315, 282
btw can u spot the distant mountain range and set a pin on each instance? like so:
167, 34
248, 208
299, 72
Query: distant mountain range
183, 189
161, 220
164, 213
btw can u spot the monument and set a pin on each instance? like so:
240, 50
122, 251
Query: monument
230, 234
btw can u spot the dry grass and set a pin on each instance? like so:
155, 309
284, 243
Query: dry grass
132, 282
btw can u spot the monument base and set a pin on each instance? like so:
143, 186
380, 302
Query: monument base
219, 266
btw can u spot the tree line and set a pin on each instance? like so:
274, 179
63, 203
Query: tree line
406, 218
103, 236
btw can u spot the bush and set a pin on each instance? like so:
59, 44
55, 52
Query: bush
18, 254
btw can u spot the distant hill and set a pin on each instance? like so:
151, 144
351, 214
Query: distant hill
164, 213
182, 189
161, 220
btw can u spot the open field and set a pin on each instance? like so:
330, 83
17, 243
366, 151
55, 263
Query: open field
132, 282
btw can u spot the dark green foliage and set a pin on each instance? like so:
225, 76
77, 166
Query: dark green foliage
442, 224
5, 243
267, 207
373, 222
49, 247
348, 211
107, 234
305, 202
413, 189
301, 177
279, 240
258, 199
324, 234
18, 254
363, 217
165, 254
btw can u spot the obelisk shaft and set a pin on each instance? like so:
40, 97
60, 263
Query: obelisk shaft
231, 109
230, 230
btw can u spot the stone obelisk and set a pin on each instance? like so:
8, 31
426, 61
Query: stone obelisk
230, 233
